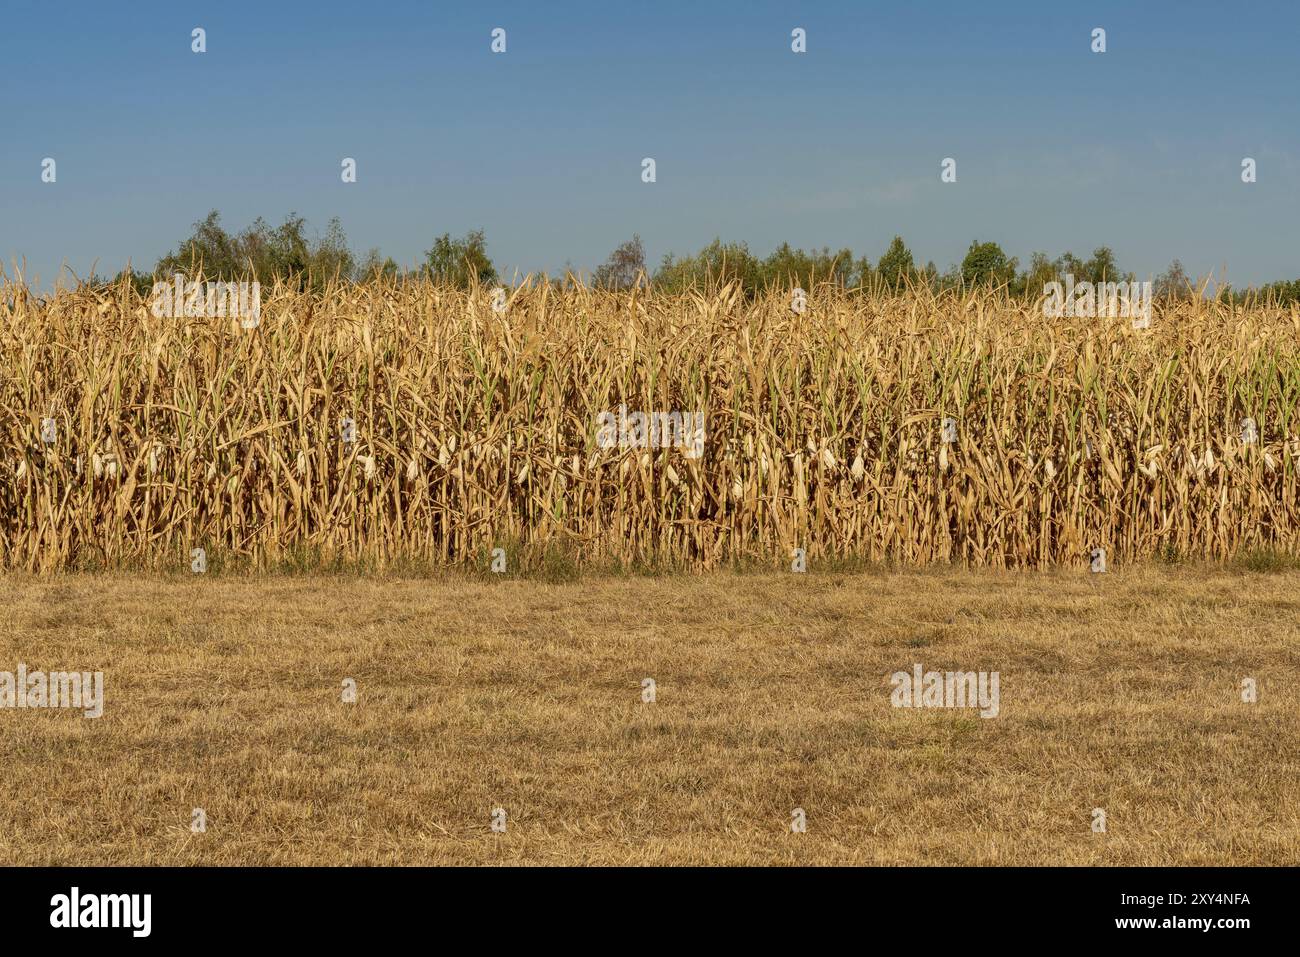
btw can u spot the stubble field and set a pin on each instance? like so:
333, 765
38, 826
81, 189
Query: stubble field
1120, 692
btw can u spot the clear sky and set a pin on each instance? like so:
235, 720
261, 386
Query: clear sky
1057, 147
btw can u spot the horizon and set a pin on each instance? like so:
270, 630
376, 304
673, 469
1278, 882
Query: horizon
1136, 148
68, 278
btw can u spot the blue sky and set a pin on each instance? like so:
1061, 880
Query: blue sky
1057, 147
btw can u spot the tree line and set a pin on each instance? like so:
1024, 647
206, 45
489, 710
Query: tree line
288, 253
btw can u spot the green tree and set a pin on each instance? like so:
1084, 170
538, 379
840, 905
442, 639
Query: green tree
1068, 264
263, 253
896, 267
987, 264
282, 251
459, 262
1041, 271
142, 282
1102, 267
950, 278
1174, 283
624, 267
1284, 293
862, 272
787, 267
375, 264
330, 257
209, 248
715, 265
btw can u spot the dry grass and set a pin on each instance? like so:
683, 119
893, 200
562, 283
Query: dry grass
476, 430
1118, 691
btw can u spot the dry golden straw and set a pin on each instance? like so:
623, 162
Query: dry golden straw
473, 429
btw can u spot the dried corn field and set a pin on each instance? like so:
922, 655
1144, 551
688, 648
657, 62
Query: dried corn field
476, 429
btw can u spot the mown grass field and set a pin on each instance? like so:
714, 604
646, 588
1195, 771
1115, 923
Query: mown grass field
1118, 691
